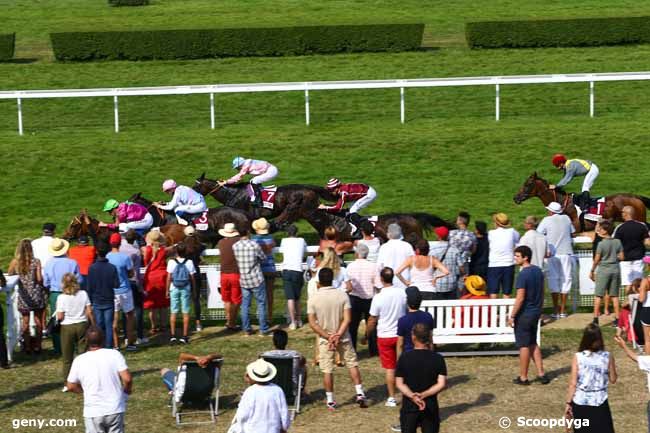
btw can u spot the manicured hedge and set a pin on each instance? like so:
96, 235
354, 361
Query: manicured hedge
7, 45
586, 32
244, 42
128, 2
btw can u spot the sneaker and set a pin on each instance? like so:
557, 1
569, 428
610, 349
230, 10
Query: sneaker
199, 328
184, 340
331, 405
564, 316
396, 427
544, 379
615, 323
517, 381
293, 326
391, 402
555, 316
299, 324
131, 348
65, 389
143, 340
173, 341
595, 321
361, 401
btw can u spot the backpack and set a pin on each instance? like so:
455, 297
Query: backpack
180, 275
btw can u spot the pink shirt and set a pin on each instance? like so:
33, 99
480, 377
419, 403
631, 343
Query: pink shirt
251, 166
128, 212
364, 277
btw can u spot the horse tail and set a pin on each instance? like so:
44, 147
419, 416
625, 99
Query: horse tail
429, 221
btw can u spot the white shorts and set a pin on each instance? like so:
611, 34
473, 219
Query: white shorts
192, 209
124, 302
270, 174
590, 177
364, 201
631, 270
143, 224
560, 273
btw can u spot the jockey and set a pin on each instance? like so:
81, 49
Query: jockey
262, 172
128, 215
576, 167
360, 193
185, 201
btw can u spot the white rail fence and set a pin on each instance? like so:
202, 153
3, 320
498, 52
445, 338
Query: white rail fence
306, 87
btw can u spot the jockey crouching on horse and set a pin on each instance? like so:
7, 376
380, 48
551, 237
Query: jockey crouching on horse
576, 167
361, 194
127, 216
185, 201
262, 172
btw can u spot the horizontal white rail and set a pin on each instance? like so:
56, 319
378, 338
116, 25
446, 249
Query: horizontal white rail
305, 87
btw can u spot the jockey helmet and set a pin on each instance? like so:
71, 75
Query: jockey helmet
333, 184
238, 162
168, 185
110, 205
558, 159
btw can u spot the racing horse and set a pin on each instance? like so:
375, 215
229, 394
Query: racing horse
292, 202
536, 186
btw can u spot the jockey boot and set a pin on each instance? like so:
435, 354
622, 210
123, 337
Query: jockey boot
586, 200
181, 220
257, 195
354, 219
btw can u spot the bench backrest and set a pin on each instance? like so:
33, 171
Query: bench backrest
470, 316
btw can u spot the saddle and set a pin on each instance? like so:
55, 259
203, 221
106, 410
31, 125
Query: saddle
593, 208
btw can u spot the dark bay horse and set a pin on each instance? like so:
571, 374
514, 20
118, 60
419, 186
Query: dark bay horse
292, 202
535, 186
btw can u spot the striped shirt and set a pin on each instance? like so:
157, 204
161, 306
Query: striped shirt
349, 192
249, 256
364, 277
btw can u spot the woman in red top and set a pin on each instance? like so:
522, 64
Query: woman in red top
155, 279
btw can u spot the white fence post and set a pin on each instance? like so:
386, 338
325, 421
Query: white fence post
20, 116
212, 110
306, 105
591, 99
117, 114
497, 107
401, 104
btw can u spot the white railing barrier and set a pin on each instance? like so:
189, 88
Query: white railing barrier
305, 87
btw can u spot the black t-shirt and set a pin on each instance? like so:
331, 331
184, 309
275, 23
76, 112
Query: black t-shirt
482, 254
632, 234
420, 370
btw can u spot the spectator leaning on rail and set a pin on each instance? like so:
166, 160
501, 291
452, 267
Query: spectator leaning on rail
394, 253
293, 250
501, 267
387, 307
103, 377
267, 243
464, 240
525, 315
452, 269
535, 240
559, 230
364, 280
230, 289
185, 201
422, 268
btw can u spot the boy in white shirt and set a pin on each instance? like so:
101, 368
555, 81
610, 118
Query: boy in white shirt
180, 284
293, 251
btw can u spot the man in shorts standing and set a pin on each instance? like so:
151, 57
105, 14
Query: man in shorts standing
634, 236
608, 275
180, 284
230, 288
329, 317
123, 294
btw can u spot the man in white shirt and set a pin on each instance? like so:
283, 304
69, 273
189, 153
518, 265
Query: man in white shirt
558, 230
293, 251
263, 406
102, 376
387, 307
535, 241
395, 252
501, 266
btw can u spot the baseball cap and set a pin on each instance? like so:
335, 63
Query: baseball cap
49, 228
115, 240
442, 232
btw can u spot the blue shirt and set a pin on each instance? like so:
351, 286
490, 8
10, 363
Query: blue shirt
123, 264
268, 265
531, 279
406, 323
55, 269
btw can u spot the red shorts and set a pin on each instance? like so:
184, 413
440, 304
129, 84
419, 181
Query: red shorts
230, 289
387, 352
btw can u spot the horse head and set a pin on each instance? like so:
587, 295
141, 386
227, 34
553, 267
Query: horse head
532, 187
201, 185
77, 226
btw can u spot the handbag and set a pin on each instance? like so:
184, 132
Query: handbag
53, 325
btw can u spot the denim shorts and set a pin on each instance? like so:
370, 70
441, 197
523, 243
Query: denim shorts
180, 299
292, 283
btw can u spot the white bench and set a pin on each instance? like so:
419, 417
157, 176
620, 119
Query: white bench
473, 321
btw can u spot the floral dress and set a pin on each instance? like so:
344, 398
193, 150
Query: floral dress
31, 295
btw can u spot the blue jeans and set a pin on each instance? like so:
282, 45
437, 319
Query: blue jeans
260, 297
104, 319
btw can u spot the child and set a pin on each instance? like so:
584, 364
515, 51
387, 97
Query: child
624, 323
608, 278
180, 284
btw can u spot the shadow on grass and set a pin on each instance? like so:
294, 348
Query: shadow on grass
10, 400
548, 351
554, 374
22, 61
483, 399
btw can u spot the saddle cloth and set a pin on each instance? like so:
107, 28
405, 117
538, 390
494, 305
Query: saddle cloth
201, 222
268, 196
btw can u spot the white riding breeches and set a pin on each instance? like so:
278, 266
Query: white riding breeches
143, 224
191, 208
364, 201
270, 174
590, 177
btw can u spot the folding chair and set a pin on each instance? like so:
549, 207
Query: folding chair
284, 363
201, 390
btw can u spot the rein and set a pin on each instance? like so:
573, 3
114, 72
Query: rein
216, 188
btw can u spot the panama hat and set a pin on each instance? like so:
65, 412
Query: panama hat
189, 231
228, 231
261, 371
475, 285
554, 207
261, 226
501, 219
58, 247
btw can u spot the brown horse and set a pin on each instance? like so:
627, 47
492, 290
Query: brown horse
535, 186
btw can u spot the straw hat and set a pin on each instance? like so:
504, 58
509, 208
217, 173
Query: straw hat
261, 371
261, 226
228, 231
554, 207
475, 285
501, 219
58, 247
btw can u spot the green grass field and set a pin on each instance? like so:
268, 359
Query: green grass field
450, 155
